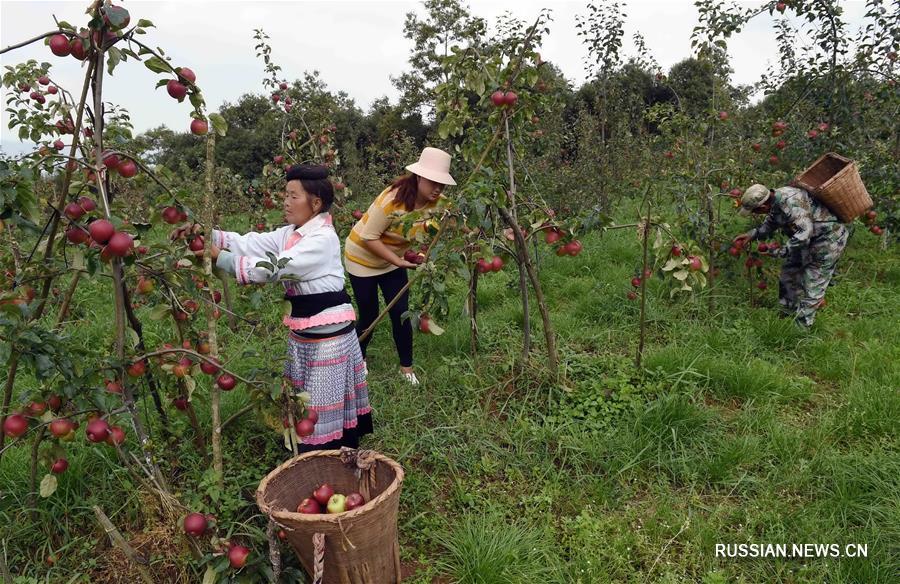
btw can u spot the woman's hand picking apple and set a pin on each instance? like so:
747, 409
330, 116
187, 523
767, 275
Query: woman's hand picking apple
184, 231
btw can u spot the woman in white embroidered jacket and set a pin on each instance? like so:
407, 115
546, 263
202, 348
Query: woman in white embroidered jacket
324, 357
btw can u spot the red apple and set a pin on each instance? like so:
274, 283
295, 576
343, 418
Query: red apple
676, 251
116, 436
59, 466
43, 80
278, 159
762, 285
496, 264
209, 368
780, 6
573, 248
144, 285
723, 116
87, 204
636, 282
694, 263
61, 427
59, 45
120, 244
199, 127
354, 500
773, 160
101, 230
304, 427
497, 98
15, 425
73, 211
312, 415
59, 144
780, 144
669, 154
226, 382
482, 266
137, 369
127, 168
195, 524
756, 147
510, 98
37, 408
197, 244
171, 215
309, 506
357, 214
187, 75
552, 236
276, 97
76, 48
113, 386
323, 493
55, 402
52, 90
180, 403
97, 430
823, 127
176, 89
812, 134
283, 86
631, 295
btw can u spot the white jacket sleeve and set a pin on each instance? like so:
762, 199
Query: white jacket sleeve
255, 244
308, 259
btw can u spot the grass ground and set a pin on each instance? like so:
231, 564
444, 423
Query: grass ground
739, 428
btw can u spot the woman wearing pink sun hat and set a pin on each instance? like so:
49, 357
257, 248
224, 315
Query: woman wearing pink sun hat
373, 253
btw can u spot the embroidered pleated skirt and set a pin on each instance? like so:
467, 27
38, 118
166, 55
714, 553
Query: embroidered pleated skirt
333, 372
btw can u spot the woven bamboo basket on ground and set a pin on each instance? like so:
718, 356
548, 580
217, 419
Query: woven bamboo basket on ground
835, 181
355, 547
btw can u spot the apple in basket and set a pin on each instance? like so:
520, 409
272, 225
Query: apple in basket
309, 506
354, 500
337, 504
323, 494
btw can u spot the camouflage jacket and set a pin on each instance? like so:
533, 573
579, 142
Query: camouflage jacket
799, 216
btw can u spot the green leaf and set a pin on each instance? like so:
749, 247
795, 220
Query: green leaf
220, 125
144, 23
209, 577
157, 65
115, 56
190, 385
159, 312
48, 485
133, 338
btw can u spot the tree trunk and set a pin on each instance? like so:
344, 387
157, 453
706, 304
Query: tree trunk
215, 394
472, 303
643, 333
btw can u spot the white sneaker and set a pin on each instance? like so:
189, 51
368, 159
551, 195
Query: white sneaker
410, 377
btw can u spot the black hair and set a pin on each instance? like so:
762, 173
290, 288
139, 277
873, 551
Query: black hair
315, 182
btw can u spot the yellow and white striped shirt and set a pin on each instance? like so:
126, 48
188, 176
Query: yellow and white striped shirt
384, 221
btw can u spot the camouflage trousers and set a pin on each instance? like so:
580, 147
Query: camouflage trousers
806, 273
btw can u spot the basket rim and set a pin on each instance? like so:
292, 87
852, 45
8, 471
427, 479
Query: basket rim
336, 518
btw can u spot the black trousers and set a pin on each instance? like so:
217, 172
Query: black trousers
365, 290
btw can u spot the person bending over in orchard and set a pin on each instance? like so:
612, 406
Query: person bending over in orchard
324, 358
817, 241
373, 253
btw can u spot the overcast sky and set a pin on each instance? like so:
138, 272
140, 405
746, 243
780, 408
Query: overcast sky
356, 45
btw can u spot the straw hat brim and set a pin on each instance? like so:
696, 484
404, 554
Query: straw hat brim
437, 176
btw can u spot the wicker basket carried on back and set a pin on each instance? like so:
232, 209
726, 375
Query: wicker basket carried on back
835, 181
354, 547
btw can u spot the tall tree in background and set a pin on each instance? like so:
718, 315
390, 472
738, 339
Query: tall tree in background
446, 23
